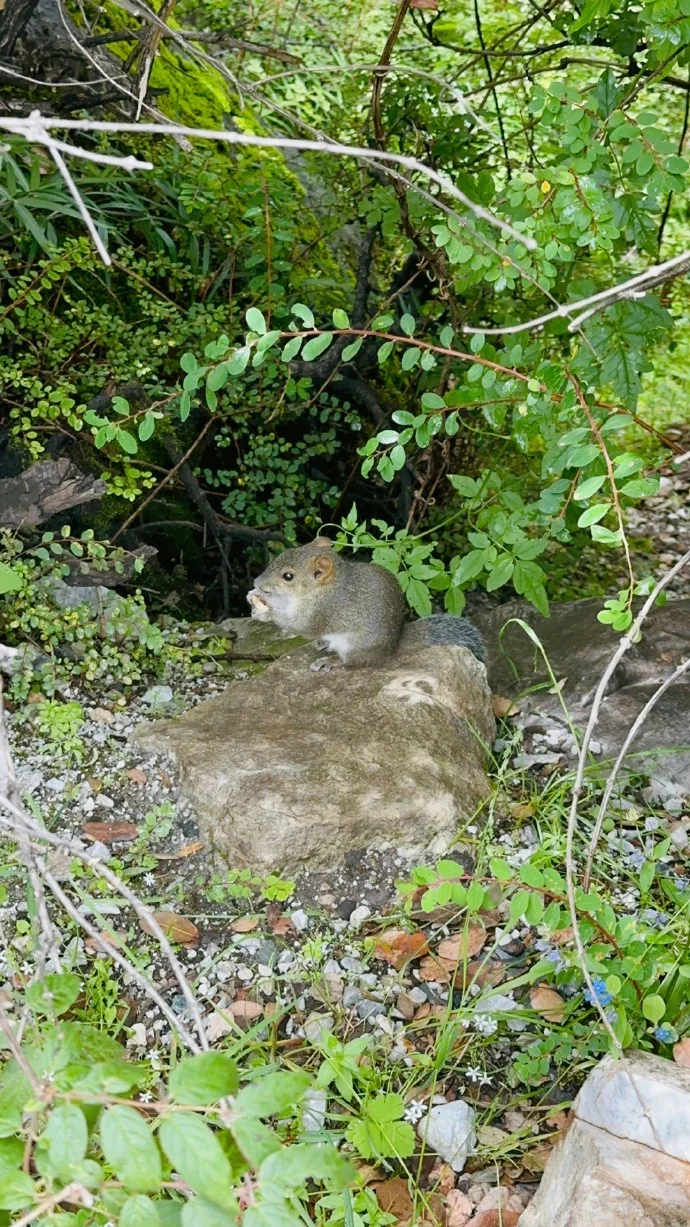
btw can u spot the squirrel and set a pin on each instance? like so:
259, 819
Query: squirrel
355, 609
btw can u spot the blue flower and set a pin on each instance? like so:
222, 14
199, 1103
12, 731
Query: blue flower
601, 993
666, 1034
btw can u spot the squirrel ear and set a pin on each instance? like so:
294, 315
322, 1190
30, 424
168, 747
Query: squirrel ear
322, 567
323, 543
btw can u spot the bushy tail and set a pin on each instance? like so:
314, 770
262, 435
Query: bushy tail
442, 629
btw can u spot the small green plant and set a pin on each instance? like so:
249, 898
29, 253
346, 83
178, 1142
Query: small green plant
60, 723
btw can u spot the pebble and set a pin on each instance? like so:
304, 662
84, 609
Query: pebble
349, 963
104, 801
358, 917
158, 695
300, 920
369, 1009
331, 968
314, 1111
351, 996
55, 785
405, 1006
448, 1129
315, 1027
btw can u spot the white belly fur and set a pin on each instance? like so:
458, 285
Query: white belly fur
340, 643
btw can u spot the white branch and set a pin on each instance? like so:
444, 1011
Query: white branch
635, 287
37, 128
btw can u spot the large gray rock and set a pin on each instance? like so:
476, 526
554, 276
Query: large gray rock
296, 769
579, 647
625, 1161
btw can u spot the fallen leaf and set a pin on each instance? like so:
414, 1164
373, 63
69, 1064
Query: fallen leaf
548, 1003
188, 850
245, 924
397, 947
535, 1160
441, 1178
522, 809
95, 944
177, 928
367, 1174
459, 1209
137, 776
433, 969
245, 1011
165, 778
458, 949
110, 832
486, 974
394, 1198
497, 1218
282, 926
561, 937
681, 1052
503, 707
94, 784
491, 1136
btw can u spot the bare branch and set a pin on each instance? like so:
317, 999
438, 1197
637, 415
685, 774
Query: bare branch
37, 128
634, 287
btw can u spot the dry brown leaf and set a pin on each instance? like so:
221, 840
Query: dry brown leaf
458, 949
367, 1174
441, 1178
165, 778
394, 1198
177, 928
95, 945
282, 926
503, 707
486, 974
459, 1209
522, 809
491, 1136
188, 850
137, 776
535, 1160
497, 1218
681, 1052
94, 784
245, 924
245, 1011
432, 968
110, 832
397, 947
548, 1003
561, 937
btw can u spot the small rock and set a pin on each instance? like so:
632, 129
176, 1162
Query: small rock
217, 1027
350, 963
369, 1009
405, 1005
137, 1036
331, 968
351, 996
448, 1129
345, 908
101, 715
55, 785
358, 917
300, 920
316, 1026
314, 1112
104, 801
158, 695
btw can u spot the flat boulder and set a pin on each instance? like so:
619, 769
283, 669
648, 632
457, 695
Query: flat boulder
295, 769
578, 648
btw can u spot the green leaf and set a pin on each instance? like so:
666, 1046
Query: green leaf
410, 358
129, 1148
316, 346
127, 442
146, 427
217, 377
255, 1140
204, 1079
294, 1165
188, 362
10, 580
273, 1093
528, 580
256, 321
501, 572
532, 876
466, 486
303, 313
642, 487
291, 350
340, 318
407, 323
198, 1212
350, 350
592, 515
381, 1132
647, 873
384, 351
54, 994
431, 400
185, 406
654, 1008
139, 1211
67, 1135
589, 487
195, 1152
17, 1190
501, 870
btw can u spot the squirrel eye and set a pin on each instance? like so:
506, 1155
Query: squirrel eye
288, 575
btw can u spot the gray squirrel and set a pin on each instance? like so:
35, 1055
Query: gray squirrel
355, 609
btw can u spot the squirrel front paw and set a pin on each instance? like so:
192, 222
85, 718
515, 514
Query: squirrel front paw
322, 664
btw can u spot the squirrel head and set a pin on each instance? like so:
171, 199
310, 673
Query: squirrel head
293, 582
